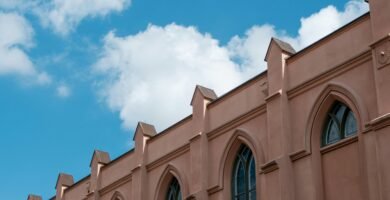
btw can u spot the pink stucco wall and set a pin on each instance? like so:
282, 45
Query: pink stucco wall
279, 115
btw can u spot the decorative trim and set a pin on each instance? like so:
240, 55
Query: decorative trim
298, 155
269, 167
325, 76
339, 144
379, 122
381, 51
195, 137
273, 96
116, 184
372, 45
214, 189
169, 156
236, 122
190, 197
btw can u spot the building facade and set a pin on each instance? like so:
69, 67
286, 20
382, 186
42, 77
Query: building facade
315, 125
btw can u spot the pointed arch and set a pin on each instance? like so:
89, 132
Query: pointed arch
117, 196
166, 177
331, 93
239, 137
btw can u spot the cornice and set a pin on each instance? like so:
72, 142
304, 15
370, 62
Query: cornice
325, 76
329, 37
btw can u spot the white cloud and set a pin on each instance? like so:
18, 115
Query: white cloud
64, 15
251, 48
151, 76
63, 91
16, 36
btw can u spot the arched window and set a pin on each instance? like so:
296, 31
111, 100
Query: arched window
244, 175
174, 192
340, 124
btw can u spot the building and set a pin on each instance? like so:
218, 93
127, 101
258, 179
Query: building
315, 125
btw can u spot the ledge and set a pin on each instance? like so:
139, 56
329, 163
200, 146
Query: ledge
372, 45
379, 122
214, 189
299, 154
273, 96
269, 167
339, 144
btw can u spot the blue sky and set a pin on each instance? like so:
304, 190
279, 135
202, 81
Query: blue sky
77, 75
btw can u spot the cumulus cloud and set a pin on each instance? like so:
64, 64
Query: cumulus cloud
16, 36
250, 49
63, 91
64, 15
150, 76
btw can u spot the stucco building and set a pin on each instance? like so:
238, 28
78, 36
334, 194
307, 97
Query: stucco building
314, 126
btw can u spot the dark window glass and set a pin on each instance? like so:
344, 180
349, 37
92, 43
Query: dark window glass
174, 192
350, 124
340, 123
244, 175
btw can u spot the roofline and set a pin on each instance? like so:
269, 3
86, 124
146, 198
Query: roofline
337, 31
227, 94
118, 158
170, 128
74, 185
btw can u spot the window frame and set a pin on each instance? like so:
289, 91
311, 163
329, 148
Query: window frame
174, 186
341, 125
247, 173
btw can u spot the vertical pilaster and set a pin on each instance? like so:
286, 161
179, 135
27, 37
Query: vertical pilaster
199, 143
142, 134
99, 159
63, 182
378, 143
278, 115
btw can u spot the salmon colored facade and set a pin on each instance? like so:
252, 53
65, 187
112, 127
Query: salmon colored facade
281, 115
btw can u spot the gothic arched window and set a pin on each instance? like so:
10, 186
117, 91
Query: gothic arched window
244, 175
174, 192
340, 124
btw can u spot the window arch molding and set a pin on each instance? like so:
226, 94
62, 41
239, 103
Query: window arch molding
332, 93
226, 164
117, 196
166, 177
